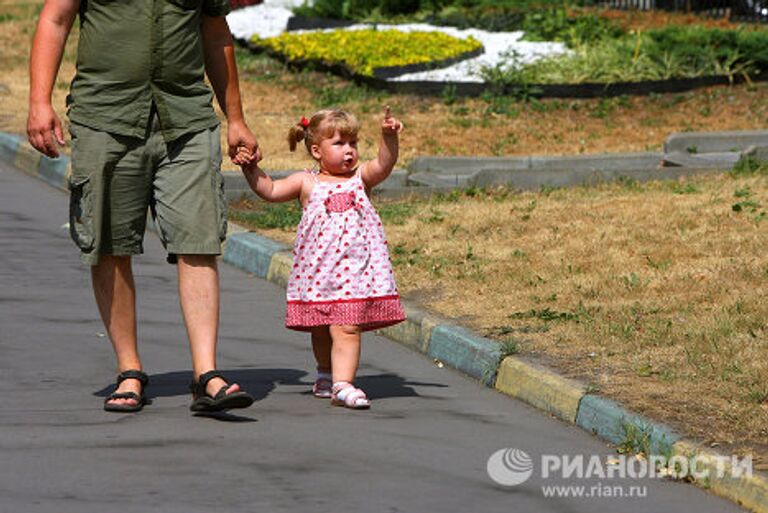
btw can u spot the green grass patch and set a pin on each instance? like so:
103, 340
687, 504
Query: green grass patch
395, 213
749, 166
285, 216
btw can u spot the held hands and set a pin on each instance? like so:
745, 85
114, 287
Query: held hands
244, 158
390, 125
243, 146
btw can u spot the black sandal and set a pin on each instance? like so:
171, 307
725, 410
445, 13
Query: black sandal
141, 400
203, 402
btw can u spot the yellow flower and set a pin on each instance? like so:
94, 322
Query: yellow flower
363, 51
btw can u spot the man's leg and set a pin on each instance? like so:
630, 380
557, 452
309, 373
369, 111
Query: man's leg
115, 295
199, 298
111, 183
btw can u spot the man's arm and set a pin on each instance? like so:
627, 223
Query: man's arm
53, 28
222, 72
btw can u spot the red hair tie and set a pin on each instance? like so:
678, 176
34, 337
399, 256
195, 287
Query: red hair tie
304, 122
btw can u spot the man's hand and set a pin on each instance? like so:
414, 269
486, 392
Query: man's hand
44, 129
243, 146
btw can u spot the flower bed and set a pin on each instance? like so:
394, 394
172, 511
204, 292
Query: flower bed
585, 56
372, 53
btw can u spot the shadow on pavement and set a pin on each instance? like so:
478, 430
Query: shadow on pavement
261, 382
391, 385
257, 382
224, 416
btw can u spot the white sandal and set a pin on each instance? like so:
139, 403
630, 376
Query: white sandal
346, 394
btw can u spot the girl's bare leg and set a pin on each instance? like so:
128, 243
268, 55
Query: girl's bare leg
321, 346
345, 352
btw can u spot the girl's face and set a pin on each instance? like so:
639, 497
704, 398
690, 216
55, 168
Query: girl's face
337, 155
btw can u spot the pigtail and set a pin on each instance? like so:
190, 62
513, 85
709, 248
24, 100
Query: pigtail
296, 134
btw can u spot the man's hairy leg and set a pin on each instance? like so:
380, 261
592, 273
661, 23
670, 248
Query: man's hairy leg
199, 298
115, 294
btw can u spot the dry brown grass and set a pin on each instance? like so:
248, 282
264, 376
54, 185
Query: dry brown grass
661, 295
656, 292
16, 31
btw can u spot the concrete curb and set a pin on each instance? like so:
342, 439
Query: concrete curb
476, 356
714, 142
750, 492
18, 152
463, 350
610, 421
540, 387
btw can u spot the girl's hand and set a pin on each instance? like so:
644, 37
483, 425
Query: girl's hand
243, 156
390, 125
243, 146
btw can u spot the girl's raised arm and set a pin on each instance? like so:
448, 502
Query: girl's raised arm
378, 169
275, 191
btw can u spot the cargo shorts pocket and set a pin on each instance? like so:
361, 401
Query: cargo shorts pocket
81, 213
221, 204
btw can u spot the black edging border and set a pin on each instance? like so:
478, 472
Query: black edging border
473, 89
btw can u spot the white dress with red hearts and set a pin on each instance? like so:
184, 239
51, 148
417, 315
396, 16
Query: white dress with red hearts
341, 269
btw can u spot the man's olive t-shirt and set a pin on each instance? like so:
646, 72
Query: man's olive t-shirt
135, 52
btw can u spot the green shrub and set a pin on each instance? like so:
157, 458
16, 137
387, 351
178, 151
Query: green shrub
362, 51
486, 14
394, 7
741, 47
671, 52
558, 25
339, 9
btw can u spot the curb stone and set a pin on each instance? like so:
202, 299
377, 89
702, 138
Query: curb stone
540, 387
8, 146
252, 252
750, 492
610, 421
715, 142
476, 356
416, 331
463, 350
25, 158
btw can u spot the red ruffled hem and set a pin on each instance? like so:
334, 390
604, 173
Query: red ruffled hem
369, 313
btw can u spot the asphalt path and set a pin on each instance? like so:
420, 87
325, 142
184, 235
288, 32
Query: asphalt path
423, 447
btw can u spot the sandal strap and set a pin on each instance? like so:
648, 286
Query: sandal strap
198, 387
133, 374
205, 377
350, 395
341, 385
123, 395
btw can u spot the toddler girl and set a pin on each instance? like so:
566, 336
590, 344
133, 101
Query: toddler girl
341, 283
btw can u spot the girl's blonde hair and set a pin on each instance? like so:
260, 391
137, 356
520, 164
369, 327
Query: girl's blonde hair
322, 125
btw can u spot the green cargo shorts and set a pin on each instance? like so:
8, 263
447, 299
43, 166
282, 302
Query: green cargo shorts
116, 179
